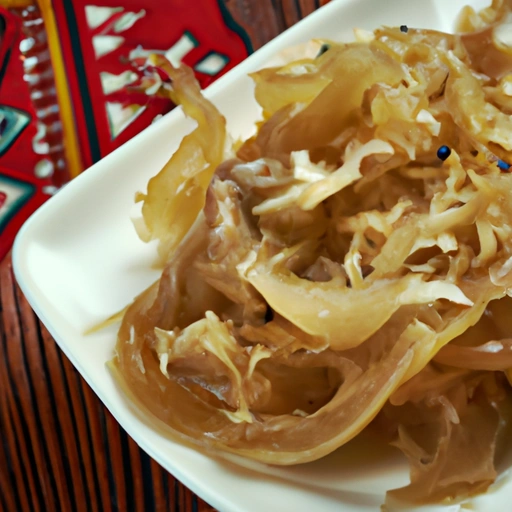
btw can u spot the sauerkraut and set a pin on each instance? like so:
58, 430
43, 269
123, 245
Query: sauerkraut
347, 267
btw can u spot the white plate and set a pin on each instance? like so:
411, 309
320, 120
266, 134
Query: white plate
78, 260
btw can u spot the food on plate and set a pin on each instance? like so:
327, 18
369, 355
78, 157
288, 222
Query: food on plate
348, 266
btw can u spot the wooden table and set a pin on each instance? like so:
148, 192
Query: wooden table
60, 449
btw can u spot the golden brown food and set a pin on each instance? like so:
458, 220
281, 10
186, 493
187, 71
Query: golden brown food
351, 262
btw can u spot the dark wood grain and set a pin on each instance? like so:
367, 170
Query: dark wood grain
265, 19
60, 449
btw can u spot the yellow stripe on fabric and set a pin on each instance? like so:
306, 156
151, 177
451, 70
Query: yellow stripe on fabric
71, 146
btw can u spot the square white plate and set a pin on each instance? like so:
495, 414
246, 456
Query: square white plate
78, 260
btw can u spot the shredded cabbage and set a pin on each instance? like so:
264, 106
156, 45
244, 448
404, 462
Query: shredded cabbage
337, 273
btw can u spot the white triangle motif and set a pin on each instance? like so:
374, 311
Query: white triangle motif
106, 44
120, 116
96, 15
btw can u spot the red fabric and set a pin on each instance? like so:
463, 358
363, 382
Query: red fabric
163, 24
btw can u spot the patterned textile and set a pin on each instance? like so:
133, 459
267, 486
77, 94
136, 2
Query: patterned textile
66, 67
